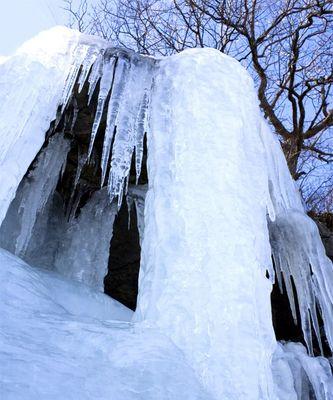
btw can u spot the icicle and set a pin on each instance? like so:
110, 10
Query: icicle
72, 208
63, 168
120, 79
39, 186
140, 132
105, 86
75, 114
95, 75
81, 53
298, 252
139, 82
89, 60
81, 161
137, 195
129, 208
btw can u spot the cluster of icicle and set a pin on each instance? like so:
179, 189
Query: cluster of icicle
300, 258
298, 252
125, 81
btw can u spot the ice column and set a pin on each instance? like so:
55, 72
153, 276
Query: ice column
206, 246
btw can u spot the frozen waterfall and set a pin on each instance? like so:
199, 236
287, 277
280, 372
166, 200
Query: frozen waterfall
87, 129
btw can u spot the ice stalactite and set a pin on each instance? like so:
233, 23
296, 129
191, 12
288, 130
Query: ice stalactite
301, 377
39, 186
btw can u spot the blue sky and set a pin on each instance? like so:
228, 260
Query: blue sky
22, 19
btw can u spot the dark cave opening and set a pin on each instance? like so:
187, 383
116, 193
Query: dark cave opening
121, 281
283, 323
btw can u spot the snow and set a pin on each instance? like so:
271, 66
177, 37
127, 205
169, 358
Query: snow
59, 339
220, 202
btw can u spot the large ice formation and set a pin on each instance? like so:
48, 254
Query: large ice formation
220, 203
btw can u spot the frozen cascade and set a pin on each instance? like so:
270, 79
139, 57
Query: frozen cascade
80, 256
200, 281
300, 377
206, 242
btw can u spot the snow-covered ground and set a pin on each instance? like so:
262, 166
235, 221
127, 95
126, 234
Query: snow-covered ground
62, 340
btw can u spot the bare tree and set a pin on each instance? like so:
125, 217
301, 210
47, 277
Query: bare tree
287, 45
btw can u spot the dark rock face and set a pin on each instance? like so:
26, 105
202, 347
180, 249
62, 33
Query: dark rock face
283, 322
121, 282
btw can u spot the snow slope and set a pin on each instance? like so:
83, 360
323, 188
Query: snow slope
61, 340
